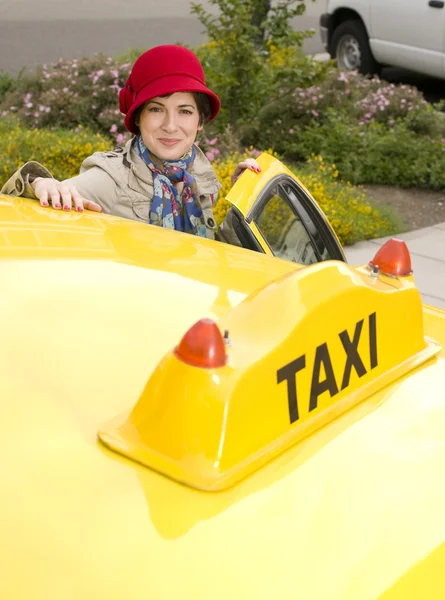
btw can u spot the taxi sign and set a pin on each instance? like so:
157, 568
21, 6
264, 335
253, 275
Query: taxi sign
304, 349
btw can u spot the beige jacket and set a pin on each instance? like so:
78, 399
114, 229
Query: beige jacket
121, 183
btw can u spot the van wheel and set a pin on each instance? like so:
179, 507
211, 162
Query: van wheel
350, 47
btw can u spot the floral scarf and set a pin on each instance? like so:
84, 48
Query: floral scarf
169, 208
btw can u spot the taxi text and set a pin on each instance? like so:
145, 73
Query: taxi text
328, 382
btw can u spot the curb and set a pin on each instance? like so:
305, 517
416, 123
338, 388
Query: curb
322, 57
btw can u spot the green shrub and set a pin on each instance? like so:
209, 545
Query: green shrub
71, 93
373, 131
62, 152
376, 154
249, 65
349, 98
7, 85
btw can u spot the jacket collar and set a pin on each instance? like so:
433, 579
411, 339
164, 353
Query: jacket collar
202, 169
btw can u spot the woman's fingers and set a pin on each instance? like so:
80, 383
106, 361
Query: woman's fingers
62, 195
43, 198
79, 202
46, 190
90, 205
66, 195
248, 163
54, 195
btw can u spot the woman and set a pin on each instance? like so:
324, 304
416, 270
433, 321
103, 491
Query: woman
160, 176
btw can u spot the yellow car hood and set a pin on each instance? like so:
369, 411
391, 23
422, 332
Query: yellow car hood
89, 304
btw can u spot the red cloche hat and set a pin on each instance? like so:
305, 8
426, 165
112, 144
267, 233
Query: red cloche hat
160, 71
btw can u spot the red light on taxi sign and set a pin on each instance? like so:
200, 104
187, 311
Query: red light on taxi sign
202, 346
393, 258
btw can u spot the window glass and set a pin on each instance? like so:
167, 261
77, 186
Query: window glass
284, 231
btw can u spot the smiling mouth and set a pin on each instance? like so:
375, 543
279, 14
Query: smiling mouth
168, 142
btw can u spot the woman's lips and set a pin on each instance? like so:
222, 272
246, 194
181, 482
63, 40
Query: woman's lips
168, 142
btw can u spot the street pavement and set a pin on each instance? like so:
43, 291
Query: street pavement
33, 33
427, 250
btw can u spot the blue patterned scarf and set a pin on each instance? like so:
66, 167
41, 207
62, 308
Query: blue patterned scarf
169, 208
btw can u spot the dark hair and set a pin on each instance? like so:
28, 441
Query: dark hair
202, 104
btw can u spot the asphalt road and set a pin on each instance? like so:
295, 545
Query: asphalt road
35, 32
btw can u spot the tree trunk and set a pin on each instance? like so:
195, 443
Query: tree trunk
262, 7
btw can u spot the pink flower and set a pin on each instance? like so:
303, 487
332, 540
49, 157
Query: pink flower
291, 131
315, 113
120, 138
113, 128
210, 155
213, 141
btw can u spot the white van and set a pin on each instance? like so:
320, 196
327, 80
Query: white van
364, 35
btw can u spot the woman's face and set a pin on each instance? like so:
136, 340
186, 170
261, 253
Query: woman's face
169, 125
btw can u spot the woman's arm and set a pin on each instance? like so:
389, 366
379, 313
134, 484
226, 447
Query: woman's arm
36, 182
93, 189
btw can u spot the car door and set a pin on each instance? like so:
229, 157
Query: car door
409, 34
273, 213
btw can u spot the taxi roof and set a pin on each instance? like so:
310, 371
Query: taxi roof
89, 303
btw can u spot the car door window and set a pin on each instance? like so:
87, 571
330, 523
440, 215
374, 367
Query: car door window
276, 215
283, 229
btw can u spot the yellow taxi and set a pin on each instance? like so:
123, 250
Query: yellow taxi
184, 418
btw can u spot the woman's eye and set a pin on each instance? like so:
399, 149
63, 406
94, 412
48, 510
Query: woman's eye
154, 109
184, 111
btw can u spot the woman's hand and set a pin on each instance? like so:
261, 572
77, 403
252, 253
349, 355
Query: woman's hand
249, 163
61, 194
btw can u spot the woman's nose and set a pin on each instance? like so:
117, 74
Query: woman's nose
169, 123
